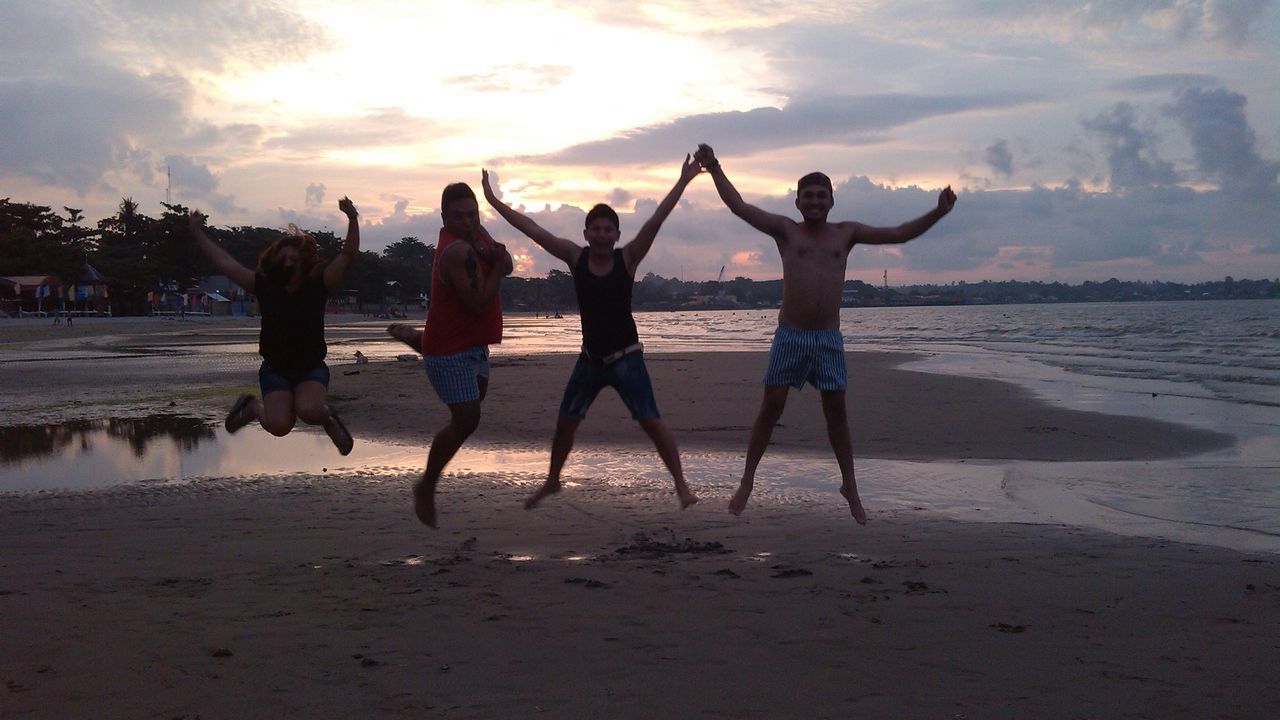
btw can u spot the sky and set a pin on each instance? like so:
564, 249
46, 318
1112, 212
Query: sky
1086, 140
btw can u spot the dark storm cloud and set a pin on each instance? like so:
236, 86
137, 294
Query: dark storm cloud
1132, 155
1224, 143
999, 157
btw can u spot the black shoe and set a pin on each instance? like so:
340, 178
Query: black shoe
340, 436
238, 418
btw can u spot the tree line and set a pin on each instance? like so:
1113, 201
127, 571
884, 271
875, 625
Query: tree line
140, 254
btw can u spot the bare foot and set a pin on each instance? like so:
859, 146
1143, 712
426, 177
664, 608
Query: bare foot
686, 499
738, 502
550, 487
407, 334
855, 506
424, 503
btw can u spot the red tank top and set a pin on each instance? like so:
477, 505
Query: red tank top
450, 328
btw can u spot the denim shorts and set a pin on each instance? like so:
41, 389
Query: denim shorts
627, 375
271, 379
455, 377
815, 356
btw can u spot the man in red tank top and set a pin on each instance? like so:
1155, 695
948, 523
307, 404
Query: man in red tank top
463, 320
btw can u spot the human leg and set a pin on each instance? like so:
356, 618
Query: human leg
463, 420
771, 407
584, 384
561, 445
410, 335
837, 417
460, 380
665, 443
277, 414
309, 404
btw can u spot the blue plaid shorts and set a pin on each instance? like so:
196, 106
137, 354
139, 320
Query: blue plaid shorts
455, 378
813, 356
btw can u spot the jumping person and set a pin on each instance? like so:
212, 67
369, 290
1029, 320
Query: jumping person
611, 352
463, 320
807, 345
292, 288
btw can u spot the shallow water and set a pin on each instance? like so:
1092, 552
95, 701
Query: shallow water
1200, 500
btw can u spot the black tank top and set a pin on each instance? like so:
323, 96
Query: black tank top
292, 336
604, 304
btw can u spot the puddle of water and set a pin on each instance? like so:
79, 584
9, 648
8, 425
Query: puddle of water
95, 454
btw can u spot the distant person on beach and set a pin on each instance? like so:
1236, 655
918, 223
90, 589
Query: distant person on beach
603, 275
292, 288
807, 345
463, 320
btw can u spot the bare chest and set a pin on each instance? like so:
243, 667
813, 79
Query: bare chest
821, 253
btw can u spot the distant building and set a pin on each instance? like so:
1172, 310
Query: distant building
30, 294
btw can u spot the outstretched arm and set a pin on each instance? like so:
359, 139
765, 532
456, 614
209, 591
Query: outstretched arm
765, 222
909, 230
337, 268
634, 251
559, 247
221, 259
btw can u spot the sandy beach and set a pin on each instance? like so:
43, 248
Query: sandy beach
321, 596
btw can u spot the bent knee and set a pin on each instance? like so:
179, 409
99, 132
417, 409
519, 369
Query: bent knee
313, 415
278, 429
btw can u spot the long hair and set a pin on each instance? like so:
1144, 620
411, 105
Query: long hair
308, 252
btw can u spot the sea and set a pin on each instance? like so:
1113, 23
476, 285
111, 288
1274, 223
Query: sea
1207, 364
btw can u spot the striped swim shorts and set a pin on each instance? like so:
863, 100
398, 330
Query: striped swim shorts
813, 356
455, 378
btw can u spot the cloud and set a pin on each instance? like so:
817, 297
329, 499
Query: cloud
999, 157
1224, 143
1132, 157
71, 134
1228, 22
620, 198
315, 195
378, 129
514, 78
838, 119
194, 182
94, 96
1165, 83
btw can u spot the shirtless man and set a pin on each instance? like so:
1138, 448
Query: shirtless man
808, 346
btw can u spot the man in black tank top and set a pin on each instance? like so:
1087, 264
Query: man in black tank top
603, 275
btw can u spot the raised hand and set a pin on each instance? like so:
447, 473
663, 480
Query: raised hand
690, 169
196, 219
347, 207
946, 199
705, 156
484, 184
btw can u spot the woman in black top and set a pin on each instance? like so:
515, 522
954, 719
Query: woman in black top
292, 289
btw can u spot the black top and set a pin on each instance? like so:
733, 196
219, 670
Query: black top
292, 336
604, 304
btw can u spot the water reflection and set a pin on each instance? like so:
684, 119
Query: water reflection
35, 441
82, 455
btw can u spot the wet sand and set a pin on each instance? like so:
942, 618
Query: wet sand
321, 596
